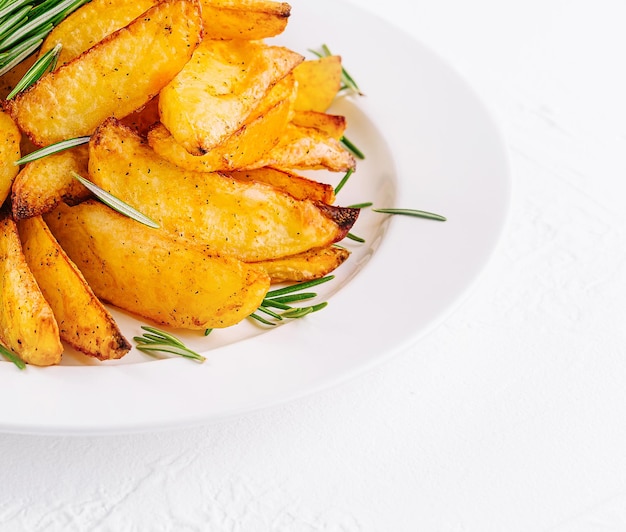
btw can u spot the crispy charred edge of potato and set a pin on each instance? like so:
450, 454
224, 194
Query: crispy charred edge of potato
344, 217
282, 9
22, 210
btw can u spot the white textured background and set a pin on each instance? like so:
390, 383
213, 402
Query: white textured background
511, 416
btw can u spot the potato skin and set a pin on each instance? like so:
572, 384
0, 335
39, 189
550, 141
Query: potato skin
84, 322
27, 324
142, 270
249, 220
113, 78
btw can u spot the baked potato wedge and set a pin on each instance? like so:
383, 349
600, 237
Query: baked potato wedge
219, 88
84, 323
312, 264
248, 220
332, 125
113, 78
307, 148
297, 186
143, 271
319, 81
10, 151
90, 24
27, 324
244, 19
42, 184
258, 135
222, 19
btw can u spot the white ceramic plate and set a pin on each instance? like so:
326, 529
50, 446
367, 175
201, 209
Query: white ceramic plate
430, 145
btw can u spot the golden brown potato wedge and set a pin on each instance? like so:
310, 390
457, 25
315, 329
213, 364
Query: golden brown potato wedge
27, 323
91, 23
219, 88
244, 19
144, 271
113, 78
84, 322
332, 125
42, 184
258, 135
10, 151
319, 81
306, 148
311, 264
222, 19
297, 186
249, 220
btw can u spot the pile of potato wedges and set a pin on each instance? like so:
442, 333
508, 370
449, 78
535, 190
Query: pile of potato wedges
195, 120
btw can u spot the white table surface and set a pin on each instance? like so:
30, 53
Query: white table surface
510, 416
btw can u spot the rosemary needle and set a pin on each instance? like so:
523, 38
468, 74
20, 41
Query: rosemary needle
157, 340
12, 357
344, 180
44, 64
413, 212
52, 149
281, 297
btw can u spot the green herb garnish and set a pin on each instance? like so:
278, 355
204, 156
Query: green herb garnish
52, 149
44, 64
24, 24
344, 180
351, 147
413, 212
281, 298
355, 238
156, 340
12, 357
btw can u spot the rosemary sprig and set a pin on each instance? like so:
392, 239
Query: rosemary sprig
413, 212
361, 205
156, 340
24, 24
406, 212
352, 148
52, 149
115, 203
281, 298
355, 238
12, 357
344, 180
45, 63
